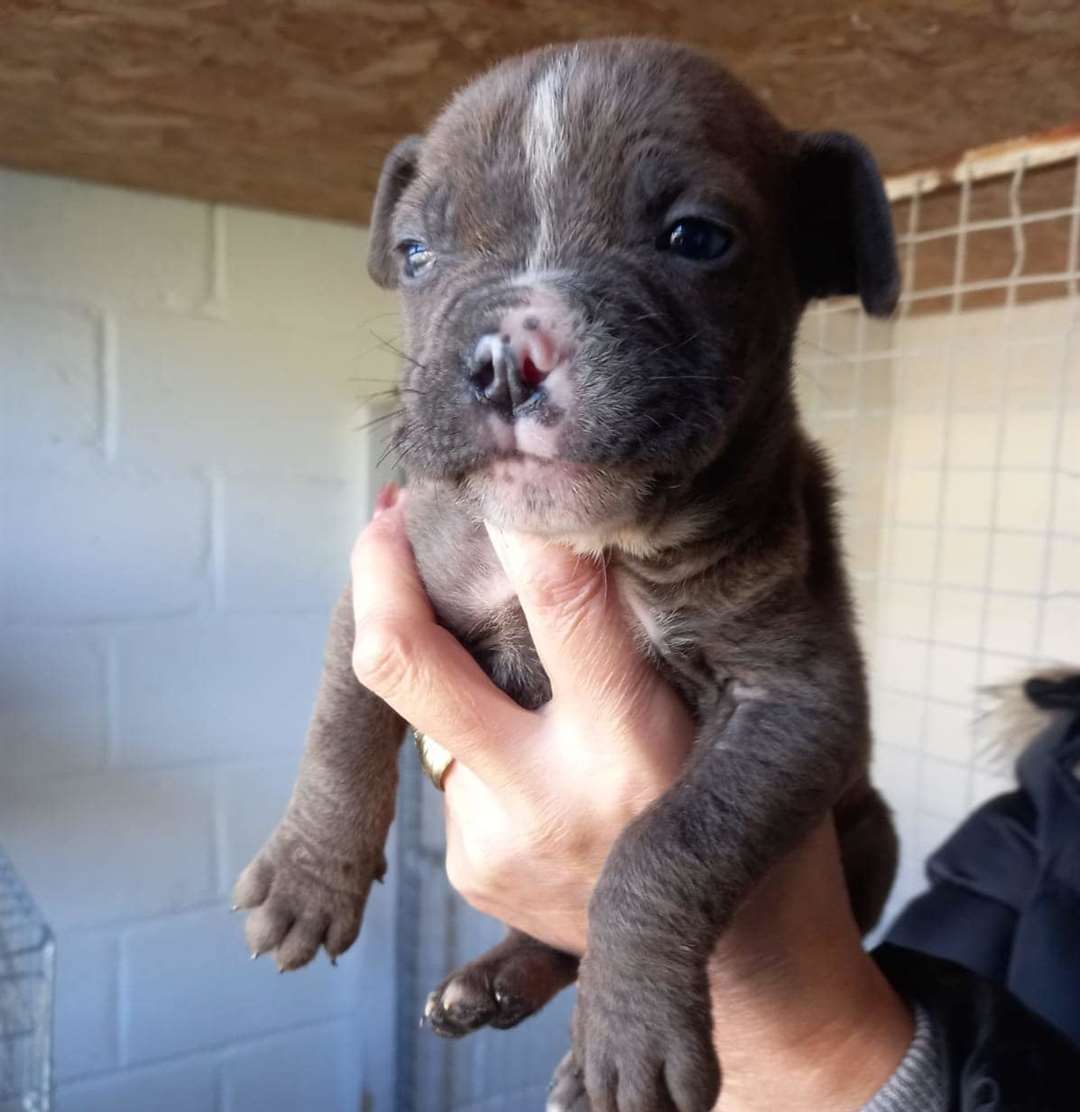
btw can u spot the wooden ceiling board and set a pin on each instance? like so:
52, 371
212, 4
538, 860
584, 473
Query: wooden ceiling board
291, 105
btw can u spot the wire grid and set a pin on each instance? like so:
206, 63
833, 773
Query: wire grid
27, 961
955, 429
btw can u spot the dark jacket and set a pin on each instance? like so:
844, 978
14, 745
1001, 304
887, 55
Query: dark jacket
1004, 899
996, 1055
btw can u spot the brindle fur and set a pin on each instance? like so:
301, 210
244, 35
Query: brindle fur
696, 483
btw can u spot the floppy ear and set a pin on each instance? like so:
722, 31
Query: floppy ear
398, 171
841, 223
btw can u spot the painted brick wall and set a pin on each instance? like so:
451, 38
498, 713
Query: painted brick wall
180, 481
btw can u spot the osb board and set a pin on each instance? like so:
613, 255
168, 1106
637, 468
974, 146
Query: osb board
1030, 251
291, 105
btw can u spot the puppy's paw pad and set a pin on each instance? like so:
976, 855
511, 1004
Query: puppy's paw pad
461, 1004
499, 989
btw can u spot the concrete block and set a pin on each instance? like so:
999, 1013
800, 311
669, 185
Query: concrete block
216, 688
185, 1086
101, 244
310, 273
86, 1019
287, 544
103, 545
261, 401
379, 987
251, 799
50, 386
192, 986
312, 1068
52, 701
112, 846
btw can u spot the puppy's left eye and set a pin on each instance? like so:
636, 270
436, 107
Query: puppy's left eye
417, 257
696, 239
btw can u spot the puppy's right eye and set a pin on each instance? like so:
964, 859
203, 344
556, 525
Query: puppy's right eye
416, 257
696, 239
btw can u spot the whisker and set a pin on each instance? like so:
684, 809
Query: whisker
397, 351
378, 420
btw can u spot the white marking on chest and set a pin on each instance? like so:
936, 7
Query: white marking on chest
544, 136
748, 693
492, 591
650, 622
636, 540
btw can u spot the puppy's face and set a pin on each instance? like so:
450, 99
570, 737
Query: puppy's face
601, 257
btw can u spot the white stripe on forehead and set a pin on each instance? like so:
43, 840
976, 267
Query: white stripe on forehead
544, 135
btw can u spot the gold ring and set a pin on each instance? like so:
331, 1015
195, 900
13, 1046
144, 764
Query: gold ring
434, 759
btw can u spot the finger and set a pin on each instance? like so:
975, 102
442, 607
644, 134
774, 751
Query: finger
460, 786
417, 666
577, 622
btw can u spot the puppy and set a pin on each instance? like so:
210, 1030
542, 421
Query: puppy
603, 252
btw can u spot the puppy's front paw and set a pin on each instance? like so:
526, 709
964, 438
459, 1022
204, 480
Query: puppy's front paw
642, 1036
301, 897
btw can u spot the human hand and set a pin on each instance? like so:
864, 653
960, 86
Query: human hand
534, 799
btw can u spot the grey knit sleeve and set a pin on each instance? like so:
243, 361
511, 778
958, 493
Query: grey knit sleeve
917, 1084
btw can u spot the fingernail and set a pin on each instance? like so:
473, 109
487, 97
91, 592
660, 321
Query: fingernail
254, 954
386, 498
235, 907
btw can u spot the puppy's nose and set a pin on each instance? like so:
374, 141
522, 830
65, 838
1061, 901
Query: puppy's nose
508, 367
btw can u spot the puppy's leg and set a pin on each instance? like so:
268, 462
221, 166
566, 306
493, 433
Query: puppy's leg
868, 851
566, 1093
500, 988
764, 772
308, 885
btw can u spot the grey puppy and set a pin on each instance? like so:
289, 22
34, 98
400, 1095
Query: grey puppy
603, 252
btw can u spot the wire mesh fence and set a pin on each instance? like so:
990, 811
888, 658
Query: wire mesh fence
955, 429
27, 961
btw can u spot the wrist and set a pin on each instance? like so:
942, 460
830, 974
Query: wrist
802, 1016
827, 1042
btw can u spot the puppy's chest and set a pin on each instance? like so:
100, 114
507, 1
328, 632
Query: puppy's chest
493, 626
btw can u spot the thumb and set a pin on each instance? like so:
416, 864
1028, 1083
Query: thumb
577, 621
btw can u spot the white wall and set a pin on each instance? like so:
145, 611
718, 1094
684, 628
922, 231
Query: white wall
180, 483
957, 443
